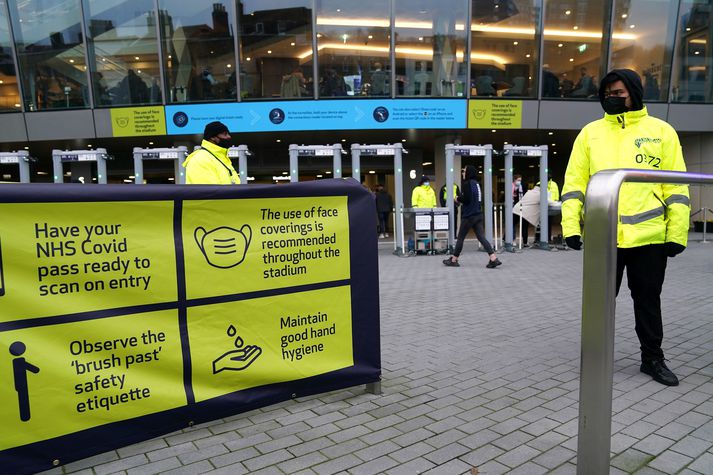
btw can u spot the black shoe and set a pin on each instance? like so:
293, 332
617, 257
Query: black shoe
658, 370
493, 264
450, 263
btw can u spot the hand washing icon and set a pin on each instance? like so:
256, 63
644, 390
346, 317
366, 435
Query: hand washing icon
223, 247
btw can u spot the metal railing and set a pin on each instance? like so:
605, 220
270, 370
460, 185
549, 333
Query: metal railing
598, 307
705, 221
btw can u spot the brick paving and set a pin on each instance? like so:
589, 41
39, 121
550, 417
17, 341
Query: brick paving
480, 370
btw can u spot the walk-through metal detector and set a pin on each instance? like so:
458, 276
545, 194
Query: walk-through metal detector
241, 152
527, 151
397, 150
485, 151
59, 157
297, 151
176, 154
22, 159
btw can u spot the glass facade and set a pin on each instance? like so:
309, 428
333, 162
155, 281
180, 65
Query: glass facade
430, 48
50, 50
124, 52
693, 71
642, 40
199, 50
573, 47
9, 93
276, 56
135, 52
504, 48
354, 45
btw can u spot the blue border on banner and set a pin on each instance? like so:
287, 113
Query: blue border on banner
363, 281
350, 114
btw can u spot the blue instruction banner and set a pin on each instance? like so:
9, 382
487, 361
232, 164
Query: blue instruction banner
353, 114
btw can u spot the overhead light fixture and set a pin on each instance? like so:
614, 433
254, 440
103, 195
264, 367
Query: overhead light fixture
372, 172
550, 133
292, 43
248, 58
425, 164
560, 45
575, 27
136, 58
632, 26
278, 140
515, 43
624, 15
269, 51
228, 65
493, 130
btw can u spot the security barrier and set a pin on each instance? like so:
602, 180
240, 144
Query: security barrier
76, 157
177, 155
335, 151
22, 159
598, 309
132, 312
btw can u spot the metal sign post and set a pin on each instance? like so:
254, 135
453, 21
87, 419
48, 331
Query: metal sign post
59, 157
177, 154
22, 159
396, 150
296, 151
241, 152
485, 151
526, 151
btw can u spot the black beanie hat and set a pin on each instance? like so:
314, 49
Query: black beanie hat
631, 80
423, 180
213, 129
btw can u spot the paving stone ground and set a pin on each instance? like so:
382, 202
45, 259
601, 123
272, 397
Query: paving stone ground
480, 370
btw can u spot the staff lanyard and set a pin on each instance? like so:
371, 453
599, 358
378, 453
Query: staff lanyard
230, 172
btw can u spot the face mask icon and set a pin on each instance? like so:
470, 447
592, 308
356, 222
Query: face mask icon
223, 247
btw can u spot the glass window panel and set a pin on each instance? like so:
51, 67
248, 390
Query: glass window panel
9, 94
504, 48
353, 43
199, 50
430, 48
275, 49
693, 77
124, 52
573, 48
50, 50
642, 41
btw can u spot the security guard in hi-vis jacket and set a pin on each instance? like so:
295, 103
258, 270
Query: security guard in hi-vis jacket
653, 217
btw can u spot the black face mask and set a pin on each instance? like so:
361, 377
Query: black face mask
615, 105
225, 143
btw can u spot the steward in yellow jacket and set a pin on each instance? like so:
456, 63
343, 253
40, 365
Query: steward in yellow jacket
653, 218
423, 195
210, 164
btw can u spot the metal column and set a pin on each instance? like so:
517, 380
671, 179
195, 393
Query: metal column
296, 151
177, 154
22, 159
598, 309
242, 153
59, 157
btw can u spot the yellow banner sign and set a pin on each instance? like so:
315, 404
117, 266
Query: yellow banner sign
134, 121
494, 114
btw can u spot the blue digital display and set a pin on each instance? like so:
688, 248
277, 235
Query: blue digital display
350, 114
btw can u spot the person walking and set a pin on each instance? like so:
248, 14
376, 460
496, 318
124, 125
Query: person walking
471, 216
384, 205
210, 164
653, 217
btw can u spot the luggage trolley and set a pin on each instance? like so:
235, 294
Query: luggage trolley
22, 159
526, 151
177, 154
397, 150
297, 151
80, 157
485, 151
241, 152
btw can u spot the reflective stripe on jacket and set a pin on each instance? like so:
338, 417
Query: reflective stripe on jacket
649, 213
423, 197
210, 165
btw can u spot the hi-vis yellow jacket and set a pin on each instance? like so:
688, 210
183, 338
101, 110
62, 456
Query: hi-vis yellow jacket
210, 165
649, 213
423, 197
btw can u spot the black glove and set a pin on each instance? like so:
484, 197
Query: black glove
574, 242
673, 249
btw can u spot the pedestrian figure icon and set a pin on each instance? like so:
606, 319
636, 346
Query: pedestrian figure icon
20, 367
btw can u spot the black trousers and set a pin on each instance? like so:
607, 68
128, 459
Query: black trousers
475, 222
645, 272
